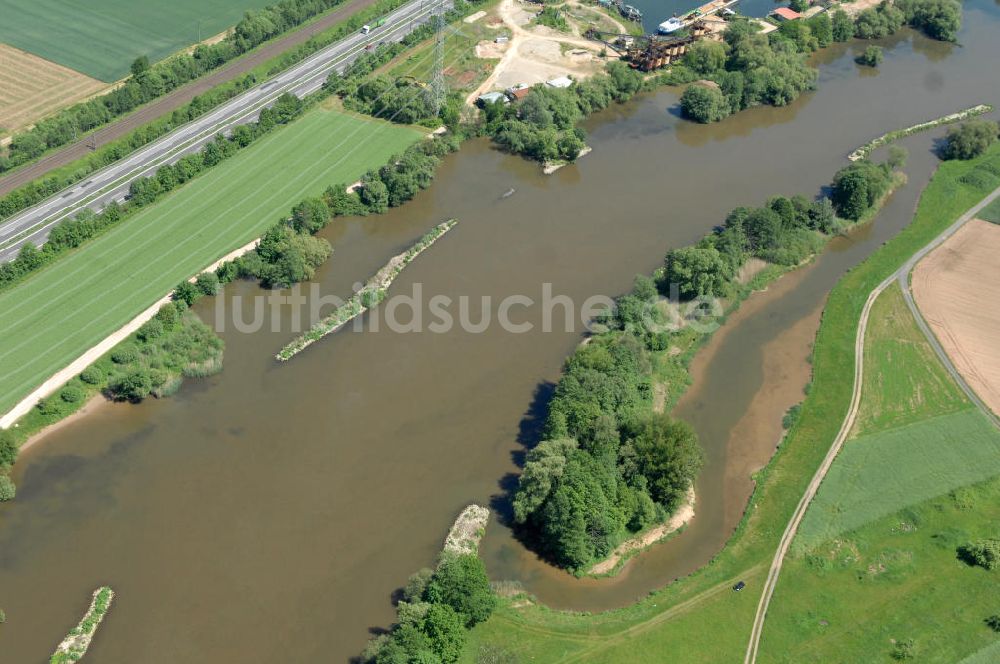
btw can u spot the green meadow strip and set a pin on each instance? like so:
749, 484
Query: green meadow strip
370, 294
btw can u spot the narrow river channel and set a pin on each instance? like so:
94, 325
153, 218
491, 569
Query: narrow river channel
266, 514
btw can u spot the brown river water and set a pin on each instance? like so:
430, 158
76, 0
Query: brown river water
266, 514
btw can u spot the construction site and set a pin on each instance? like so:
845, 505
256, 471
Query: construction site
651, 52
525, 52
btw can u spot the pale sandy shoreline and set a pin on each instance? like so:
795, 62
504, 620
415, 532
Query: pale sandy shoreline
94, 404
61, 377
677, 520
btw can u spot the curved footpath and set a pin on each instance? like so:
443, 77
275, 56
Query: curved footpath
177, 98
902, 277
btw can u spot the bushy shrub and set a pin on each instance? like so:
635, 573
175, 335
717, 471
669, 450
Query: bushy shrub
8, 448
704, 104
151, 329
857, 187
125, 354
71, 394
871, 56
92, 375
7, 489
985, 553
133, 386
207, 283
460, 581
969, 139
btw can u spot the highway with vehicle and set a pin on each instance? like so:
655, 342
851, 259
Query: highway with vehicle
112, 183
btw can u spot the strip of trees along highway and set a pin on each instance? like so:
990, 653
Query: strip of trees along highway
111, 183
149, 81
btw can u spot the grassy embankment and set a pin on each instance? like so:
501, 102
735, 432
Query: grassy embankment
463, 70
697, 618
69, 306
874, 564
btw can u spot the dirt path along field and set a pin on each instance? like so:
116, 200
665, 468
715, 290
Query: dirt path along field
901, 275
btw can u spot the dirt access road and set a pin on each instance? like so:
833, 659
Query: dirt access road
902, 277
177, 98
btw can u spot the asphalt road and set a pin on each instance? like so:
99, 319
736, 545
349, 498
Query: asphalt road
112, 183
902, 277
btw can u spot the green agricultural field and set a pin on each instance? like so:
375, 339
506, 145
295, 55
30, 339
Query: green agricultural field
884, 472
897, 578
988, 655
919, 436
68, 307
903, 380
991, 212
101, 38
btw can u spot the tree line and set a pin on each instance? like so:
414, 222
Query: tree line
750, 69
607, 466
543, 125
436, 610
38, 190
87, 224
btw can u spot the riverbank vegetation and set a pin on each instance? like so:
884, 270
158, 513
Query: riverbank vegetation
171, 346
750, 69
674, 618
543, 126
97, 288
969, 139
608, 467
437, 607
865, 150
373, 292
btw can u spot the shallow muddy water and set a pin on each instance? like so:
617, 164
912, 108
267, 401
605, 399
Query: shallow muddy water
267, 513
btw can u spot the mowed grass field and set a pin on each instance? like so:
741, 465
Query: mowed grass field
101, 38
903, 380
68, 307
